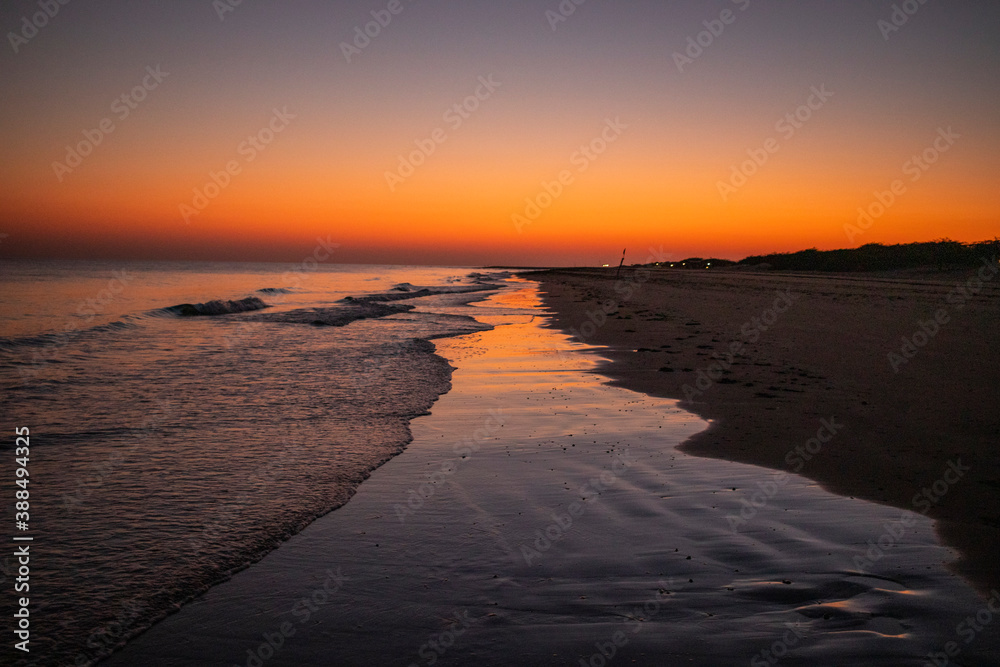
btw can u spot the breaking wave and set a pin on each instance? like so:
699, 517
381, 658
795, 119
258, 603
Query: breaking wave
336, 316
217, 307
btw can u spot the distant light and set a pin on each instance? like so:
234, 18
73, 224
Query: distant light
605, 265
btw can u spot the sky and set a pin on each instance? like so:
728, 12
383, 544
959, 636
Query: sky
480, 132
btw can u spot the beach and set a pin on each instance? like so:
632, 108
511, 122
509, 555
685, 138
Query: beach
339, 333
920, 427
542, 515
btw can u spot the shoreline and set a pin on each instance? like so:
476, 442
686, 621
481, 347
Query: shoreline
270, 424
922, 439
541, 516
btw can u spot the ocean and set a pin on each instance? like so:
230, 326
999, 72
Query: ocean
187, 418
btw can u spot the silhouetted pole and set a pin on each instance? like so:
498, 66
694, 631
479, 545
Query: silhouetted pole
620, 263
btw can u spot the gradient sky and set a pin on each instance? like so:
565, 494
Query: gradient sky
657, 183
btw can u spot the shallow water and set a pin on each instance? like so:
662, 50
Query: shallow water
170, 451
524, 554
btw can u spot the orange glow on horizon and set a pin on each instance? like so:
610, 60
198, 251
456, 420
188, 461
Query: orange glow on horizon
486, 200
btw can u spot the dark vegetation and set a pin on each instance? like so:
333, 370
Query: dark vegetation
941, 254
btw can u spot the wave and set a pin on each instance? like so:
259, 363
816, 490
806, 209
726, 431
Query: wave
370, 306
336, 316
490, 276
217, 307
275, 290
383, 298
404, 291
65, 337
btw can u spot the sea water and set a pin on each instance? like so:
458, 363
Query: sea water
186, 418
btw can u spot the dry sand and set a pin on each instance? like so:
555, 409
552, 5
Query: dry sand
825, 356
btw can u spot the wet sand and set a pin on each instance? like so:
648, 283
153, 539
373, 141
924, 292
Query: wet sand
925, 439
543, 517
